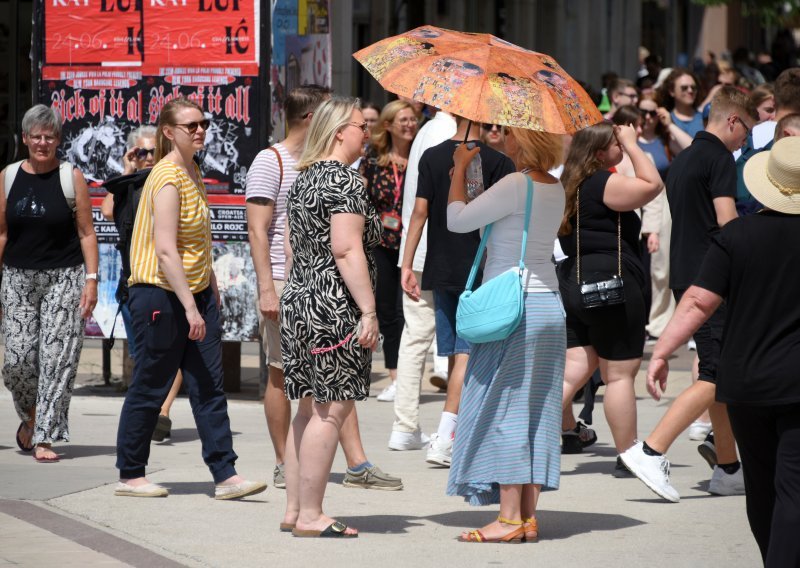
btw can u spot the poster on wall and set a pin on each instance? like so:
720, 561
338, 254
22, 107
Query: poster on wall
109, 66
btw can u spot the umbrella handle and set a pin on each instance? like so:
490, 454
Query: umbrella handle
466, 135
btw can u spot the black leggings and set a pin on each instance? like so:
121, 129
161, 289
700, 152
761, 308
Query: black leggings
389, 302
769, 443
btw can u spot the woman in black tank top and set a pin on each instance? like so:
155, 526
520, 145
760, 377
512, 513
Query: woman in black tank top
46, 239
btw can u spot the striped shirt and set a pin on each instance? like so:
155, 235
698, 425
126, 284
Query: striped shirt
264, 180
194, 230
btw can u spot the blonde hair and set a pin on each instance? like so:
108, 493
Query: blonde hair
381, 138
168, 117
581, 163
730, 99
328, 119
539, 151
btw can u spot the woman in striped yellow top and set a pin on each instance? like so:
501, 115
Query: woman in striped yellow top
174, 305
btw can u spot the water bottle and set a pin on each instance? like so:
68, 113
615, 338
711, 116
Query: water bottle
474, 175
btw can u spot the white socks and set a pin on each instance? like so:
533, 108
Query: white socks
447, 426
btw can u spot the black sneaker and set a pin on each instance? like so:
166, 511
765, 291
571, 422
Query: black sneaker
708, 450
573, 441
621, 471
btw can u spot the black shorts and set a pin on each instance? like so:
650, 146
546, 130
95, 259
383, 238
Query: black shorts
616, 332
708, 338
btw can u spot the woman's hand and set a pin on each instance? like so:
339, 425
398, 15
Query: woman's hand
369, 336
88, 298
664, 117
463, 156
626, 135
128, 163
197, 325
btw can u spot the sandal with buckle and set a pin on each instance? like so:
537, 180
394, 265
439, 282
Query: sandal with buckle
335, 530
531, 528
515, 536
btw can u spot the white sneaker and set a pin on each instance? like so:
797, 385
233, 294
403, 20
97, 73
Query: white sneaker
699, 430
726, 484
401, 441
388, 395
440, 452
691, 345
653, 471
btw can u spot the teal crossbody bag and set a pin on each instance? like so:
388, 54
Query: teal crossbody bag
494, 310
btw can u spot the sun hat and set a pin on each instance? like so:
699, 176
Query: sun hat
774, 177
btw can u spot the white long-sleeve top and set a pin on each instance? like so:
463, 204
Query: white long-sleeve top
504, 205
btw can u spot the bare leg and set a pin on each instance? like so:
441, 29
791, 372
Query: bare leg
457, 370
704, 417
350, 439
278, 411
619, 401
292, 465
724, 441
26, 434
317, 448
580, 364
683, 411
510, 509
530, 500
172, 394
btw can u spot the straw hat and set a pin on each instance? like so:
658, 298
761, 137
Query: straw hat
774, 177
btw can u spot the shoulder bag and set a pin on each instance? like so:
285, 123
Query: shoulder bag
610, 292
494, 310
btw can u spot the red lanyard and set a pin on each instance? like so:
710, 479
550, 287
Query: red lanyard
398, 183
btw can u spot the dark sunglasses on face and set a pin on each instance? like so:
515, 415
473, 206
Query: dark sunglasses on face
686, 88
142, 153
650, 113
192, 127
490, 127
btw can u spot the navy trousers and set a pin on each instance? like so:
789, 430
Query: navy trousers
161, 333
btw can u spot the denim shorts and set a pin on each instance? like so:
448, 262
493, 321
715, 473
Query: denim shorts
445, 304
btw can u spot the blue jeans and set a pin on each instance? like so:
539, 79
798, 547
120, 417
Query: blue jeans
160, 330
445, 304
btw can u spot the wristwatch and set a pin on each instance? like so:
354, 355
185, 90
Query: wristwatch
91, 276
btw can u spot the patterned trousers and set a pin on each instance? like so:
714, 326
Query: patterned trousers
43, 331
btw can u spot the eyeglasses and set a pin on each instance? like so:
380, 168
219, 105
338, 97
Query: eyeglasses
39, 138
407, 121
362, 125
630, 95
650, 113
740, 121
142, 153
490, 127
191, 127
686, 88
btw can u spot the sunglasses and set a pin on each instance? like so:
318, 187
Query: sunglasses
490, 127
650, 113
191, 127
142, 153
362, 125
687, 88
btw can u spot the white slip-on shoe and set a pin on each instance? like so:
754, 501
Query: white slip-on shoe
653, 471
148, 490
238, 490
402, 441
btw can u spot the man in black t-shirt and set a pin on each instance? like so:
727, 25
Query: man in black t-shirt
701, 188
447, 264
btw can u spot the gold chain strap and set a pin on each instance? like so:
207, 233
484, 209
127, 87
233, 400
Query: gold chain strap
578, 238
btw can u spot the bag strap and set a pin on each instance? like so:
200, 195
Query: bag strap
10, 176
280, 165
473, 273
64, 175
578, 238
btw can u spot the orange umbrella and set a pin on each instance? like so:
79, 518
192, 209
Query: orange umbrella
482, 78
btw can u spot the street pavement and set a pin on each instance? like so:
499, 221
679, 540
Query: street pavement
65, 514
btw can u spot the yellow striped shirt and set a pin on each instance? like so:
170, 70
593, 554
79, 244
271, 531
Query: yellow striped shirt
194, 230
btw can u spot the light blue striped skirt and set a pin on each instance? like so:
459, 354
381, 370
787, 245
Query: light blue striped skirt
509, 419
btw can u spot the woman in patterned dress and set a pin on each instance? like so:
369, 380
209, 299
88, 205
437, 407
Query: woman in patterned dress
329, 326
46, 240
385, 172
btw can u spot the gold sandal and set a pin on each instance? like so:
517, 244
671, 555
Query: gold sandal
515, 536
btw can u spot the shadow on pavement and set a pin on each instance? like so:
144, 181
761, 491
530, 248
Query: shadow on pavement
77, 451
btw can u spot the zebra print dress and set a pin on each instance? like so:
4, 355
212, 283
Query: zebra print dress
318, 313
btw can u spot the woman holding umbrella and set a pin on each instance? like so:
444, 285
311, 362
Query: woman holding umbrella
506, 448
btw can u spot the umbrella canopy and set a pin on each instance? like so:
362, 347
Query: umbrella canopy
482, 78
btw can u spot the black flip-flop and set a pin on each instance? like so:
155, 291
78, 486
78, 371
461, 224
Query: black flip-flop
334, 530
19, 442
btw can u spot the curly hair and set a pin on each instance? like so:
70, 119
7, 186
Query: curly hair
664, 96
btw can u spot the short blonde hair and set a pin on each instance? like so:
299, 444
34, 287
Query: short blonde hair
730, 99
540, 151
328, 119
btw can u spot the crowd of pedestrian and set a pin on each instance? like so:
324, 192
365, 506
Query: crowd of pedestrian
670, 222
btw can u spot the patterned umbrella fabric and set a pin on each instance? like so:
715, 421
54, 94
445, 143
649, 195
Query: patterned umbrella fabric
482, 78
